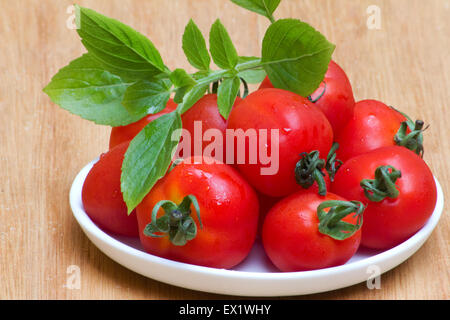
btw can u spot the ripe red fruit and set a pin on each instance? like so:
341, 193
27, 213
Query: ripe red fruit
102, 197
399, 201
301, 128
292, 238
373, 125
228, 212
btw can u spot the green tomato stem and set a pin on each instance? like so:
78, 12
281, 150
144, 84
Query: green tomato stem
333, 164
309, 169
331, 224
176, 222
383, 186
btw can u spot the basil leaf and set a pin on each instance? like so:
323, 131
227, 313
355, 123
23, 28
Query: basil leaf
194, 47
148, 157
226, 95
119, 48
180, 78
180, 92
263, 7
145, 97
192, 96
252, 75
201, 74
85, 89
295, 56
221, 47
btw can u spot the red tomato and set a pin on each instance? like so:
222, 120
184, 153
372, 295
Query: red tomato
206, 111
228, 212
128, 132
301, 128
102, 197
292, 239
334, 96
392, 220
372, 126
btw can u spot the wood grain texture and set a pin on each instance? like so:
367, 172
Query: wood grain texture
42, 147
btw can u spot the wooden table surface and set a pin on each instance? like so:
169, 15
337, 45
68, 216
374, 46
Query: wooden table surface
404, 63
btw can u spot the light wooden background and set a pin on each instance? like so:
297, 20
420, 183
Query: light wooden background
42, 147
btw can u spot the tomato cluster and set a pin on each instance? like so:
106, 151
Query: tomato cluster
346, 174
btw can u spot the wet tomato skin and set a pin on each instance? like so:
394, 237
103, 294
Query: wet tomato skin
391, 221
102, 197
228, 210
301, 128
127, 133
292, 240
373, 125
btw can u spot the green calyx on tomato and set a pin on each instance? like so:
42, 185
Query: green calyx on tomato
412, 140
176, 222
309, 169
333, 164
331, 222
383, 185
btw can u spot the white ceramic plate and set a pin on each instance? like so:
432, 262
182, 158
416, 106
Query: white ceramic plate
256, 276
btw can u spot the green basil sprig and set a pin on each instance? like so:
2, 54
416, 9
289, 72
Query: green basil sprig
123, 78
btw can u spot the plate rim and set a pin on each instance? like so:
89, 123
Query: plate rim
88, 226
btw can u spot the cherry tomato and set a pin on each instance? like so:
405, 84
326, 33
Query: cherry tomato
207, 113
301, 128
293, 240
399, 202
228, 212
334, 96
102, 197
372, 126
126, 133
